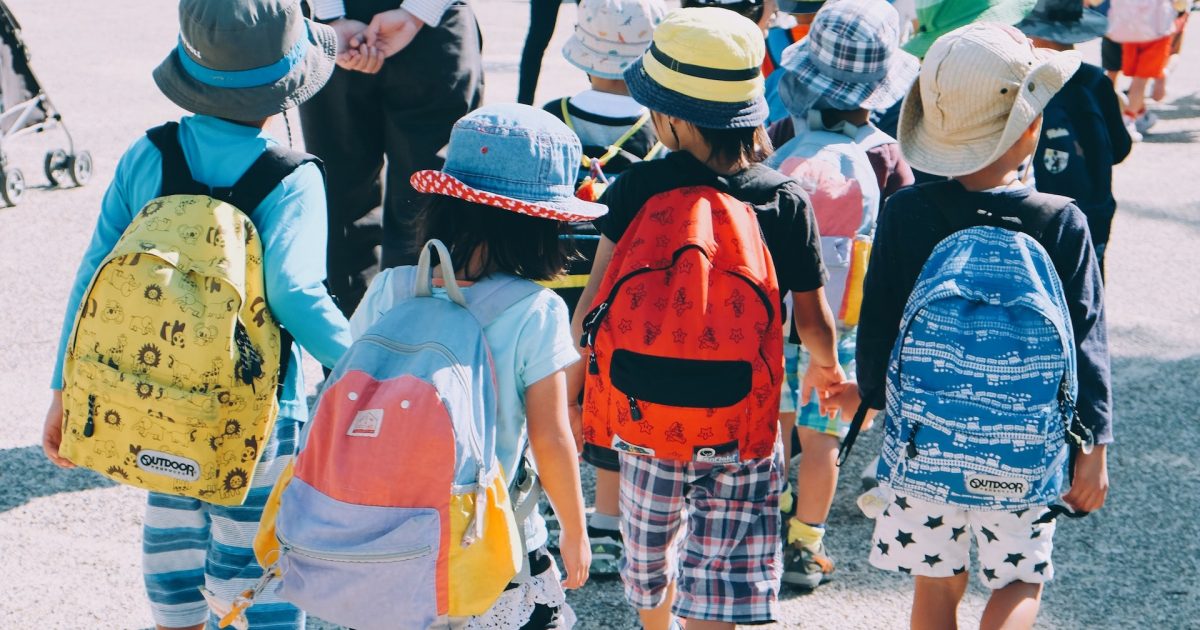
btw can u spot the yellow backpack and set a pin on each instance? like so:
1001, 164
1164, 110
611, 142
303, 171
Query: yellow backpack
171, 372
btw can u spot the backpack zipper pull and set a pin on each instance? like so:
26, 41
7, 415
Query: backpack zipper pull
89, 428
911, 448
593, 364
635, 412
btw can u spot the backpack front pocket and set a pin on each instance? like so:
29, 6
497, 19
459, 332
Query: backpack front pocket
360, 566
681, 382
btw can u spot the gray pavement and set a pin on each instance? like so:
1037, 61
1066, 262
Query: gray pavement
69, 541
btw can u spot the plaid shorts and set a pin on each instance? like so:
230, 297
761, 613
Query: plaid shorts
713, 529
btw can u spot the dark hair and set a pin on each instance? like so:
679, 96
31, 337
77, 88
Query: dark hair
750, 9
525, 246
749, 143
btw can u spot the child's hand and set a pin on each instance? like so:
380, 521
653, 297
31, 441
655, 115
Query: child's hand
52, 432
827, 381
1089, 489
575, 416
576, 551
849, 401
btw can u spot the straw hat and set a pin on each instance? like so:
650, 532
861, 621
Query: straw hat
704, 66
246, 59
989, 84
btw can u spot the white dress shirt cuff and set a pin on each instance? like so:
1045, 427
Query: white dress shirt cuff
428, 11
325, 10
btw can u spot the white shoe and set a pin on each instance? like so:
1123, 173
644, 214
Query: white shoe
1131, 127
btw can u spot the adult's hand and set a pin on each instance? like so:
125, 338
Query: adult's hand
391, 31
353, 54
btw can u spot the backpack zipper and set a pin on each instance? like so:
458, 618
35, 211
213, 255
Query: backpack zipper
89, 427
635, 412
333, 556
910, 449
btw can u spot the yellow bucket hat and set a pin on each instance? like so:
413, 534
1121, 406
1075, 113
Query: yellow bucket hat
704, 66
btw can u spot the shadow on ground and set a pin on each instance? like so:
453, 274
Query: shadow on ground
28, 475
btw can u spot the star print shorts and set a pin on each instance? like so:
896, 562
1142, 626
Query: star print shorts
713, 529
934, 540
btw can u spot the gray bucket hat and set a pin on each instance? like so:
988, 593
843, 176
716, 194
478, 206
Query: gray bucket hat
246, 59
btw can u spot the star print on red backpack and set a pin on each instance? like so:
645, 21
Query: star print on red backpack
685, 338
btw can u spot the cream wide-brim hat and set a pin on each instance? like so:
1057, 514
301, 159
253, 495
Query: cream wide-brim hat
981, 86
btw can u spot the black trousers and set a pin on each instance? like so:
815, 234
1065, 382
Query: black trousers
374, 131
543, 17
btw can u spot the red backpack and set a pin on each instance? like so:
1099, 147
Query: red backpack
685, 336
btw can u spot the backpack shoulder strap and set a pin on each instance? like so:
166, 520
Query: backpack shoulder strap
490, 297
271, 168
176, 175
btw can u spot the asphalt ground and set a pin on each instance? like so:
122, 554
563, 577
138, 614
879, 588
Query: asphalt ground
70, 541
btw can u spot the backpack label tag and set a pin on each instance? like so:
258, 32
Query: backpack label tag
997, 486
367, 423
174, 466
726, 453
633, 449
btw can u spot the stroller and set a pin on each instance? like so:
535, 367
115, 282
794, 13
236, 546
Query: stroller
25, 109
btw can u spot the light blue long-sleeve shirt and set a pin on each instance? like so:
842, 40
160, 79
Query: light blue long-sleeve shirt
291, 221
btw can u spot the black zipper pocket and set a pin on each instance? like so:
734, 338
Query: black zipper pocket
680, 382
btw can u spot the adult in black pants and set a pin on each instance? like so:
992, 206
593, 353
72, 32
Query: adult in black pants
407, 72
543, 17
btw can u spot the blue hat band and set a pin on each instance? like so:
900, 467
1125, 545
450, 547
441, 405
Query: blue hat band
237, 79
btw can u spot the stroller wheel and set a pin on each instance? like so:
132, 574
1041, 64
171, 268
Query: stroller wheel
81, 167
13, 188
56, 167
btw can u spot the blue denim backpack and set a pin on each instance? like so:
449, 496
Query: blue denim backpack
982, 380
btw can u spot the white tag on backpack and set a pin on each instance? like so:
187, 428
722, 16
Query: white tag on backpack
367, 423
997, 486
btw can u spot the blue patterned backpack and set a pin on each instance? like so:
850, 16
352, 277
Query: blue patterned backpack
982, 380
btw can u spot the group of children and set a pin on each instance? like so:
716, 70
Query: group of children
677, 104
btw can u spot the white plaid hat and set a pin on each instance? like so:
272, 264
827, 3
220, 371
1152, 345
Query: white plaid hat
980, 88
851, 59
612, 34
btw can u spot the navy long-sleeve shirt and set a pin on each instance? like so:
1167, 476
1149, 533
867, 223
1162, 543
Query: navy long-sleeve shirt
908, 230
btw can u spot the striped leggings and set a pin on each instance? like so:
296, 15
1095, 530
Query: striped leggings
188, 544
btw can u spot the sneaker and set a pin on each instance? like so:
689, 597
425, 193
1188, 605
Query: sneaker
806, 568
1131, 128
867, 476
1144, 122
607, 549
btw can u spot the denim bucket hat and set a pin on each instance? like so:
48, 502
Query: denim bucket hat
704, 66
611, 34
246, 59
1064, 22
851, 59
516, 158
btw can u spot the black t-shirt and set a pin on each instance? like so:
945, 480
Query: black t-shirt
781, 205
909, 229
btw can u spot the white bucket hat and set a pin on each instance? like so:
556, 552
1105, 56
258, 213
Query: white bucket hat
612, 34
980, 88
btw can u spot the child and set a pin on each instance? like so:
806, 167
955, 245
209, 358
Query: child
719, 575
791, 25
849, 65
615, 131
188, 543
989, 95
1083, 134
500, 205
1144, 29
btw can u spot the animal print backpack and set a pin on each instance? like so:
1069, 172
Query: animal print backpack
686, 345
171, 372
